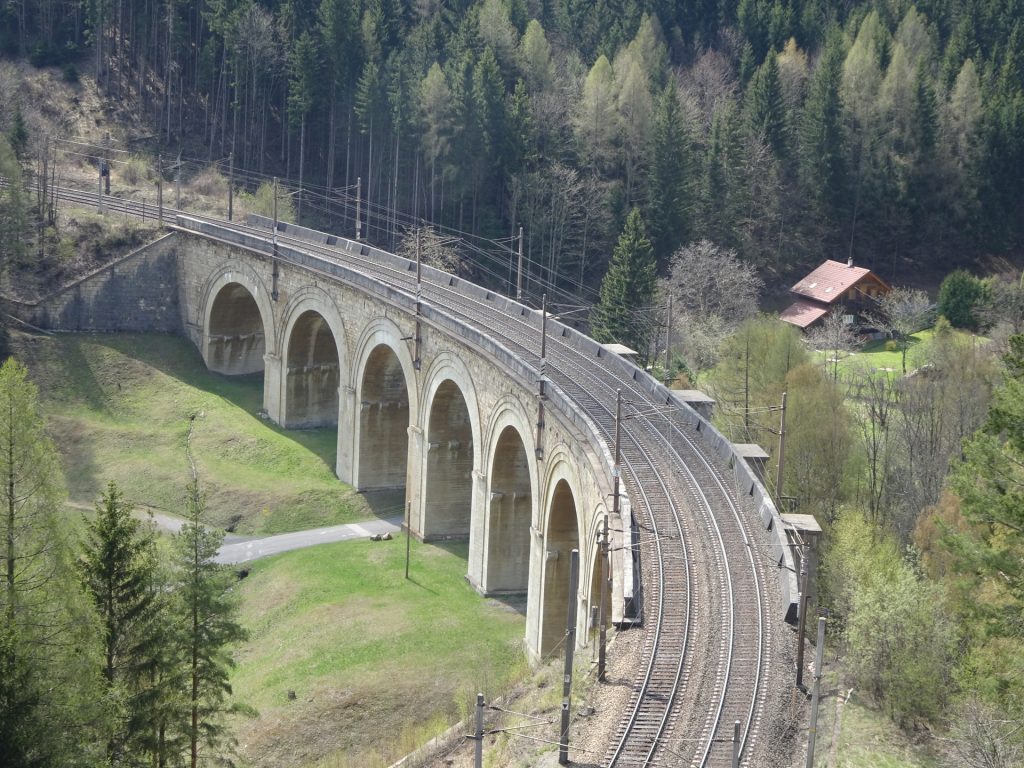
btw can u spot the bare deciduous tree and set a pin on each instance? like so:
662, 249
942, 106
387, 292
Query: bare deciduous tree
712, 293
435, 251
901, 312
834, 336
984, 738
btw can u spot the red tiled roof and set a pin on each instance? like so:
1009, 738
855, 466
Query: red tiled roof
829, 281
802, 313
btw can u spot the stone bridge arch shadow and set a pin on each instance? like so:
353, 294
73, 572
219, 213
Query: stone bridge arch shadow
451, 455
314, 360
561, 536
509, 507
385, 409
238, 327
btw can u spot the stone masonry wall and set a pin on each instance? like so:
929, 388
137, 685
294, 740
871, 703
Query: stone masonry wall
138, 292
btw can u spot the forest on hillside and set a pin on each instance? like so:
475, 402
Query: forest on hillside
785, 130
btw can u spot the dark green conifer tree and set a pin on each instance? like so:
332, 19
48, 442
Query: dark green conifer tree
765, 107
671, 178
624, 312
822, 153
206, 611
117, 568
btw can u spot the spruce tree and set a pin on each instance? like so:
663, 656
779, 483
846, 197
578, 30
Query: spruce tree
627, 292
117, 570
765, 107
206, 611
52, 712
671, 178
822, 150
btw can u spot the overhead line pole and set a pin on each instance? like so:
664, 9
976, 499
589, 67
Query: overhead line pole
570, 649
616, 472
519, 272
541, 393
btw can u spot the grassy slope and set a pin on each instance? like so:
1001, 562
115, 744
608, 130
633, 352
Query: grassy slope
119, 408
866, 738
374, 660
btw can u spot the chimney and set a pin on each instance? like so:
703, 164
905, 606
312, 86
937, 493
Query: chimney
849, 262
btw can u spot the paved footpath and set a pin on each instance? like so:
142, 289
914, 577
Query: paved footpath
243, 549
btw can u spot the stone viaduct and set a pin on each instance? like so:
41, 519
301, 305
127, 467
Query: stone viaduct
419, 400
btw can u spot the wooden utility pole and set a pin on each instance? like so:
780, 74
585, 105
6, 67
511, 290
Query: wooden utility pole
736, 744
570, 649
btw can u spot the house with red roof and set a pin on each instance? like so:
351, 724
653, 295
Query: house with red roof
831, 285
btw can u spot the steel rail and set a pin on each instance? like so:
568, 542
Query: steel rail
485, 315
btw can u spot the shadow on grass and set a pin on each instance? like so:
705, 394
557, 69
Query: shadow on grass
175, 357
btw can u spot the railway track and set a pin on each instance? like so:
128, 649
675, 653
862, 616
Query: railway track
707, 629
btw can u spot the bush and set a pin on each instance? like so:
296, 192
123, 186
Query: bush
210, 183
960, 294
137, 169
70, 73
892, 346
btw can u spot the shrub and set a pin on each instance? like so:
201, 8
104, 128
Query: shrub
137, 169
892, 346
70, 73
960, 294
210, 183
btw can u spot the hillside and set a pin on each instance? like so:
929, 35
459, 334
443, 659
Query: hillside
787, 131
120, 408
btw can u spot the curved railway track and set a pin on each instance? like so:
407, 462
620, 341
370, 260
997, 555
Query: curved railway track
707, 629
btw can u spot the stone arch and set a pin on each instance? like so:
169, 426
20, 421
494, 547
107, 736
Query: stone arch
315, 360
561, 535
509, 501
595, 570
383, 383
238, 321
451, 456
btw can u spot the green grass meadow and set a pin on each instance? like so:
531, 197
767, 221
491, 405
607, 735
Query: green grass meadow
876, 359
378, 664
119, 407
389, 661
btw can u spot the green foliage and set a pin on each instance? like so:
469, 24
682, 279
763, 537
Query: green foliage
627, 292
118, 571
13, 208
901, 641
990, 555
17, 134
51, 709
819, 443
959, 296
205, 606
262, 202
671, 184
